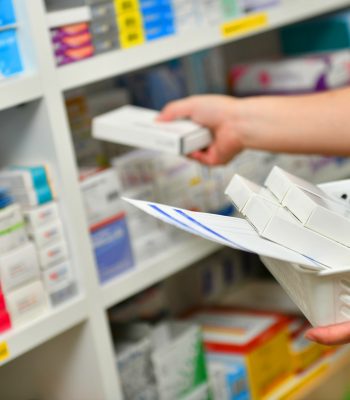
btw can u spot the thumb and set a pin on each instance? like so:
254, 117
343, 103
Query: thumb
176, 109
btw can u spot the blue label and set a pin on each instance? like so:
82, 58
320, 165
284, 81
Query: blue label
10, 59
43, 194
38, 175
112, 250
7, 13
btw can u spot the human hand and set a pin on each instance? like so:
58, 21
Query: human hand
217, 113
330, 335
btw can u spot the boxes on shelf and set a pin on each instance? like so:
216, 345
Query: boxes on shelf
72, 43
107, 221
228, 378
319, 35
297, 75
257, 340
10, 57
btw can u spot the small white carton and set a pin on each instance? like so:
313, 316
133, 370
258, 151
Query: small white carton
48, 234
240, 190
137, 127
42, 215
327, 217
53, 254
277, 224
26, 303
18, 267
279, 182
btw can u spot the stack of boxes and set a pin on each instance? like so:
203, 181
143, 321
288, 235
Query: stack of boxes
130, 23
165, 362
158, 18
103, 26
72, 43
33, 261
107, 221
10, 57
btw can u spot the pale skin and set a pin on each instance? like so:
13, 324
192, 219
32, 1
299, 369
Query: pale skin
307, 124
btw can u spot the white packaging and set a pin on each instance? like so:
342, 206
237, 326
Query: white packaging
53, 254
18, 267
26, 303
280, 181
57, 277
10, 216
101, 194
48, 234
240, 190
277, 224
42, 215
145, 247
135, 126
14, 238
327, 217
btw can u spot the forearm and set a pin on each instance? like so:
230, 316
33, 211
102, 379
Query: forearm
318, 123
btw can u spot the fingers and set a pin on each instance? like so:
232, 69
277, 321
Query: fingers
177, 109
330, 335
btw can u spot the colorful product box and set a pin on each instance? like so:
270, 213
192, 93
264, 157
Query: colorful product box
2, 301
256, 339
319, 35
7, 13
72, 42
112, 246
179, 345
5, 321
74, 55
10, 57
298, 75
228, 378
58, 34
304, 352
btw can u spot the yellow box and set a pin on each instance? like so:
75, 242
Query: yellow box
130, 21
259, 340
123, 6
132, 38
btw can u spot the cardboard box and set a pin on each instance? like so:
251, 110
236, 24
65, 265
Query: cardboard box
48, 234
256, 339
324, 216
18, 267
111, 242
135, 126
240, 190
178, 360
228, 378
40, 216
26, 303
276, 223
53, 254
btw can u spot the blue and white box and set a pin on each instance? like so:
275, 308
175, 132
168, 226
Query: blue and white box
10, 58
7, 13
112, 247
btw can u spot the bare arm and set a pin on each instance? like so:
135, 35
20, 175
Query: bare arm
318, 123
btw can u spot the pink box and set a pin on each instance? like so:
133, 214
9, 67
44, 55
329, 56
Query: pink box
72, 42
69, 30
5, 321
73, 55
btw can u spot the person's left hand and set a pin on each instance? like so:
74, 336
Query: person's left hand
330, 335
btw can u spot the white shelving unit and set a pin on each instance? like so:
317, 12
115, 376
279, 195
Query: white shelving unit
20, 90
73, 343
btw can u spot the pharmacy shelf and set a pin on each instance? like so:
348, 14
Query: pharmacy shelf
20, 340
19, 90
300, 387
68, 16
122, 61
161, 266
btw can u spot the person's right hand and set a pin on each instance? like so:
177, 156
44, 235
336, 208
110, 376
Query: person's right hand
217, 113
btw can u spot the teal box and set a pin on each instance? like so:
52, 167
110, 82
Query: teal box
317, 35
10, 59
